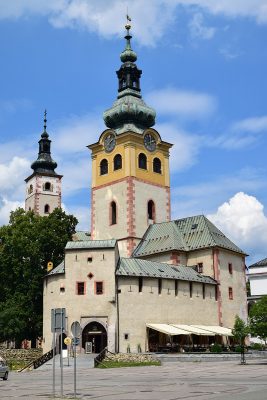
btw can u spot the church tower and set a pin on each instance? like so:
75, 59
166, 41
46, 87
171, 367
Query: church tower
130, 164
43, 186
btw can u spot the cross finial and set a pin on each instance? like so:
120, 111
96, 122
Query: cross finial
128, 20
45, 120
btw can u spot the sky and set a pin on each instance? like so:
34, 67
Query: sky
204, 66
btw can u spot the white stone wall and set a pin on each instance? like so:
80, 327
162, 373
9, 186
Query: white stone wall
258, 281
38, 198
90, 306
136, 309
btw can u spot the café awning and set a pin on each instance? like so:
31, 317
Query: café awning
195, 330
217, 330
168, 329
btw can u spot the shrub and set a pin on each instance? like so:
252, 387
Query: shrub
216, 348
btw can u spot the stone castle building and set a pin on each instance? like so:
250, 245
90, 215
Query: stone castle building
140, 278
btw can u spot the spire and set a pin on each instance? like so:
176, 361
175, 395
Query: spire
129, 108
44, 162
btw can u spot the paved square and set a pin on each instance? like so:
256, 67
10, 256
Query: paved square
174, 380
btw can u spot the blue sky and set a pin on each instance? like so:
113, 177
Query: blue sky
204, 66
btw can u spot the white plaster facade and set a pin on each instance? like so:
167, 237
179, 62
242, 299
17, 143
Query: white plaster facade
43, 193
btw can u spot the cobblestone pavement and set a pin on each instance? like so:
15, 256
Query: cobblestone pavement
175, 380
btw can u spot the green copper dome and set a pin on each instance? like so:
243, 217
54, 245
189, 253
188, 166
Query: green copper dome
129, 111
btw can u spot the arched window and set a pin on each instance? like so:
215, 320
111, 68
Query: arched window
47, 186
104, 167
113, 213
142, 161
151, 210
157, 165
46, 209
30, 190
117, 161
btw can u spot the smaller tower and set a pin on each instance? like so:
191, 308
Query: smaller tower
43, 186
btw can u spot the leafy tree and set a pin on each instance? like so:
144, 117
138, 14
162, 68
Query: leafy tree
258, 318
27, 244
240, 330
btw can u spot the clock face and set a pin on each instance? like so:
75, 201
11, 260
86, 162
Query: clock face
110, 142
150, 142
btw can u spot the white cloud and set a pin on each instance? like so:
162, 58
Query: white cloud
243, 220
198, 30
240, 134
106, 17
171, 101
204, 197
13, 174
5, 207
230, 54
185, 146
254, 125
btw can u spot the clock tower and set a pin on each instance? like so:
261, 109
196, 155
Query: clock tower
43, 186
130, 165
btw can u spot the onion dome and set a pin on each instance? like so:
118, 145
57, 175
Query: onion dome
44, 162
129, 111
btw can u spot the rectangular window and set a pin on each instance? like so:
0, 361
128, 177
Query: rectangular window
203, 290
140, 284
98, 287
89, 260
176, 288
230, 291
191, 289
159, 286
216, 293
80, 288
200, 268
230, 268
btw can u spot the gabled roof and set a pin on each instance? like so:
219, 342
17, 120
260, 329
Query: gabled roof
144, 268
262, 263
91, 244
184, 234
81, 235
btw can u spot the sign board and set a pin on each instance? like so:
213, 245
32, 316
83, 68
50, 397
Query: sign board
58, 319
64, 353
76, 329
88, 347
67, 341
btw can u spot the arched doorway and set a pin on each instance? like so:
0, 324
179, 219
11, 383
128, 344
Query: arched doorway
96, 334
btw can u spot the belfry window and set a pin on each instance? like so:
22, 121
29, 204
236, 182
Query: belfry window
157, 165
113, 213
142, 161
104, 167
46, 209
151, 210
117, 162
47, 186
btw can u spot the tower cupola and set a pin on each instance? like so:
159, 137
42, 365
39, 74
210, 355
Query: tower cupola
129, 112
44, 162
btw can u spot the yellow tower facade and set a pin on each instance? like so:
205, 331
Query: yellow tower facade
130, 165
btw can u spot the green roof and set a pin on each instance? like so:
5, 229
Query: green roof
184, 234
262, 263
91, 244
81, 235
145, 268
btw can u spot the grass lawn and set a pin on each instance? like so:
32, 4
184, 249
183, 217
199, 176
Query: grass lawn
120, 364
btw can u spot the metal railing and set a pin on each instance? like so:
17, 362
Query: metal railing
38, 362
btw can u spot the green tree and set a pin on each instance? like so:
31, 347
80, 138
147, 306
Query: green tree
240, 331
27, 244
258, 318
